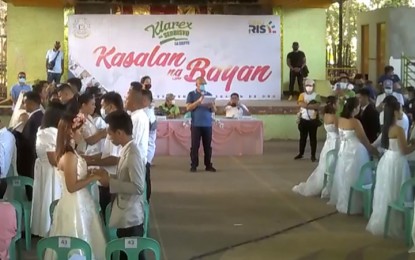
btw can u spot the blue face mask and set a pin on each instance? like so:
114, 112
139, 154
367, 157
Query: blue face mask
203, 87
22, 80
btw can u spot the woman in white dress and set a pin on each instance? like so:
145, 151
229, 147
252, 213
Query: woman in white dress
353, 154
391, 173
46, 186
90, 144
314, 184
19, 113
76, 213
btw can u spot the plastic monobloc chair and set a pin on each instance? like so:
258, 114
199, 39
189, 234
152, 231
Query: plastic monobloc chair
132, 247
331, 158
63, 246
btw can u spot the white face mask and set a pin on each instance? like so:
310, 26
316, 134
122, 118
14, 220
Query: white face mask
173, 102
309, 89
103, 114
388, 91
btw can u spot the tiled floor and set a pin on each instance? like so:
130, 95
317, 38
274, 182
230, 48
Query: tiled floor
246, 210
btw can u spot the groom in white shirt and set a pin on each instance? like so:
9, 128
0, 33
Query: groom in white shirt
128, 186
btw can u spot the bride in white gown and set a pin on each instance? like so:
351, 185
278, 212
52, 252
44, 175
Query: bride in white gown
76, 213
353, 154
314, 184
392, 172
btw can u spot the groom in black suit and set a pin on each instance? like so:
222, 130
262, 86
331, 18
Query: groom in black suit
368, 115
26, 155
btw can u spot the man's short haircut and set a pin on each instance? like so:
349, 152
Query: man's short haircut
76, 83
65, 86
38, 88
364, 92
22, 73
115, 99
136, 86
119, 120
33, 96
235, 94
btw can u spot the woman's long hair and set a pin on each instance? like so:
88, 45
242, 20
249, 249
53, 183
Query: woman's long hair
388, 120
63, 140
350, 105
330, 105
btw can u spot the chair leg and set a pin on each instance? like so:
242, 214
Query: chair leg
386, 229
325, 181
12, 251
366, 204
408, 227
28, 231
349, 204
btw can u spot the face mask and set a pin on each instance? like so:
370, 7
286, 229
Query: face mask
22, 80
173, 102
103, 114
203, 87
309, 89
388, 91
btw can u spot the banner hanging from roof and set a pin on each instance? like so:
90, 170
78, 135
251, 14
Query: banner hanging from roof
233, 53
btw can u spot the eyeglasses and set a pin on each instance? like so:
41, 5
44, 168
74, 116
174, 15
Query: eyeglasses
22, 77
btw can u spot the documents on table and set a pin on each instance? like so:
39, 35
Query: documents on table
208, 100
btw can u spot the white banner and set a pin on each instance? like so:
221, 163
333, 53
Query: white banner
233, 53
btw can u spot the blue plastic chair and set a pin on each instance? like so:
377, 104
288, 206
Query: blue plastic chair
111, 232
365, 189
13, 252
331, 158
132, 247
146, 213
63, 246
402, 206
16, 190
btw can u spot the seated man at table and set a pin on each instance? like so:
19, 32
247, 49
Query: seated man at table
169, 108
235, 109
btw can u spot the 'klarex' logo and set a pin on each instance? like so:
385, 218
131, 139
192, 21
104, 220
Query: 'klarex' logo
171, 31
261, 28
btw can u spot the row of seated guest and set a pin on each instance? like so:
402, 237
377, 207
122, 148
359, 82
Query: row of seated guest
234, 108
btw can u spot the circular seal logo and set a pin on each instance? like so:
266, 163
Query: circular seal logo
82, 28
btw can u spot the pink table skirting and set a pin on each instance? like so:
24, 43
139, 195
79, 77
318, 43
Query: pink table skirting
230, 137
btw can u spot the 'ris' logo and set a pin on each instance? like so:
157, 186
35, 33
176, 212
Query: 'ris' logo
261, 28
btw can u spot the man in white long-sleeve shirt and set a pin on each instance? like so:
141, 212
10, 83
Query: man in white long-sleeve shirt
135, 103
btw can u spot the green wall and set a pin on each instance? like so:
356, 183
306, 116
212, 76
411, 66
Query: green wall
31, 31
283, 127
308, 27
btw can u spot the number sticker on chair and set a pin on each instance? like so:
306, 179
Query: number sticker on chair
64, 242
16, 183
130, 243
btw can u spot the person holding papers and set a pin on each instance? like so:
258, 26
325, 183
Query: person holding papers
235, 109
201, 105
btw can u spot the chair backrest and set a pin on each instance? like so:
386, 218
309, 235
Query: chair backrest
331, 158
52, 208
369, 166
63, 246
16, 187
405, 188
132, 247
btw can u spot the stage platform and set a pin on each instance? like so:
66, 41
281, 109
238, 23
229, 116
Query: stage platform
256, 107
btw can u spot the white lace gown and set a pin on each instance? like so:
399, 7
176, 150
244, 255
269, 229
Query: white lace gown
314, 184
46, 186
392, 172
351, 157
76, 215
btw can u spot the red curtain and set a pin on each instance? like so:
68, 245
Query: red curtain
163, 9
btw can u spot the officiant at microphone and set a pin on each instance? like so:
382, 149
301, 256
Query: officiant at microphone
201, 116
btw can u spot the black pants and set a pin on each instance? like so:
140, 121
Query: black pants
54, 77
104, 199
293, 76
204, 133
3, 187
308, 128
136, 231
148, 182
